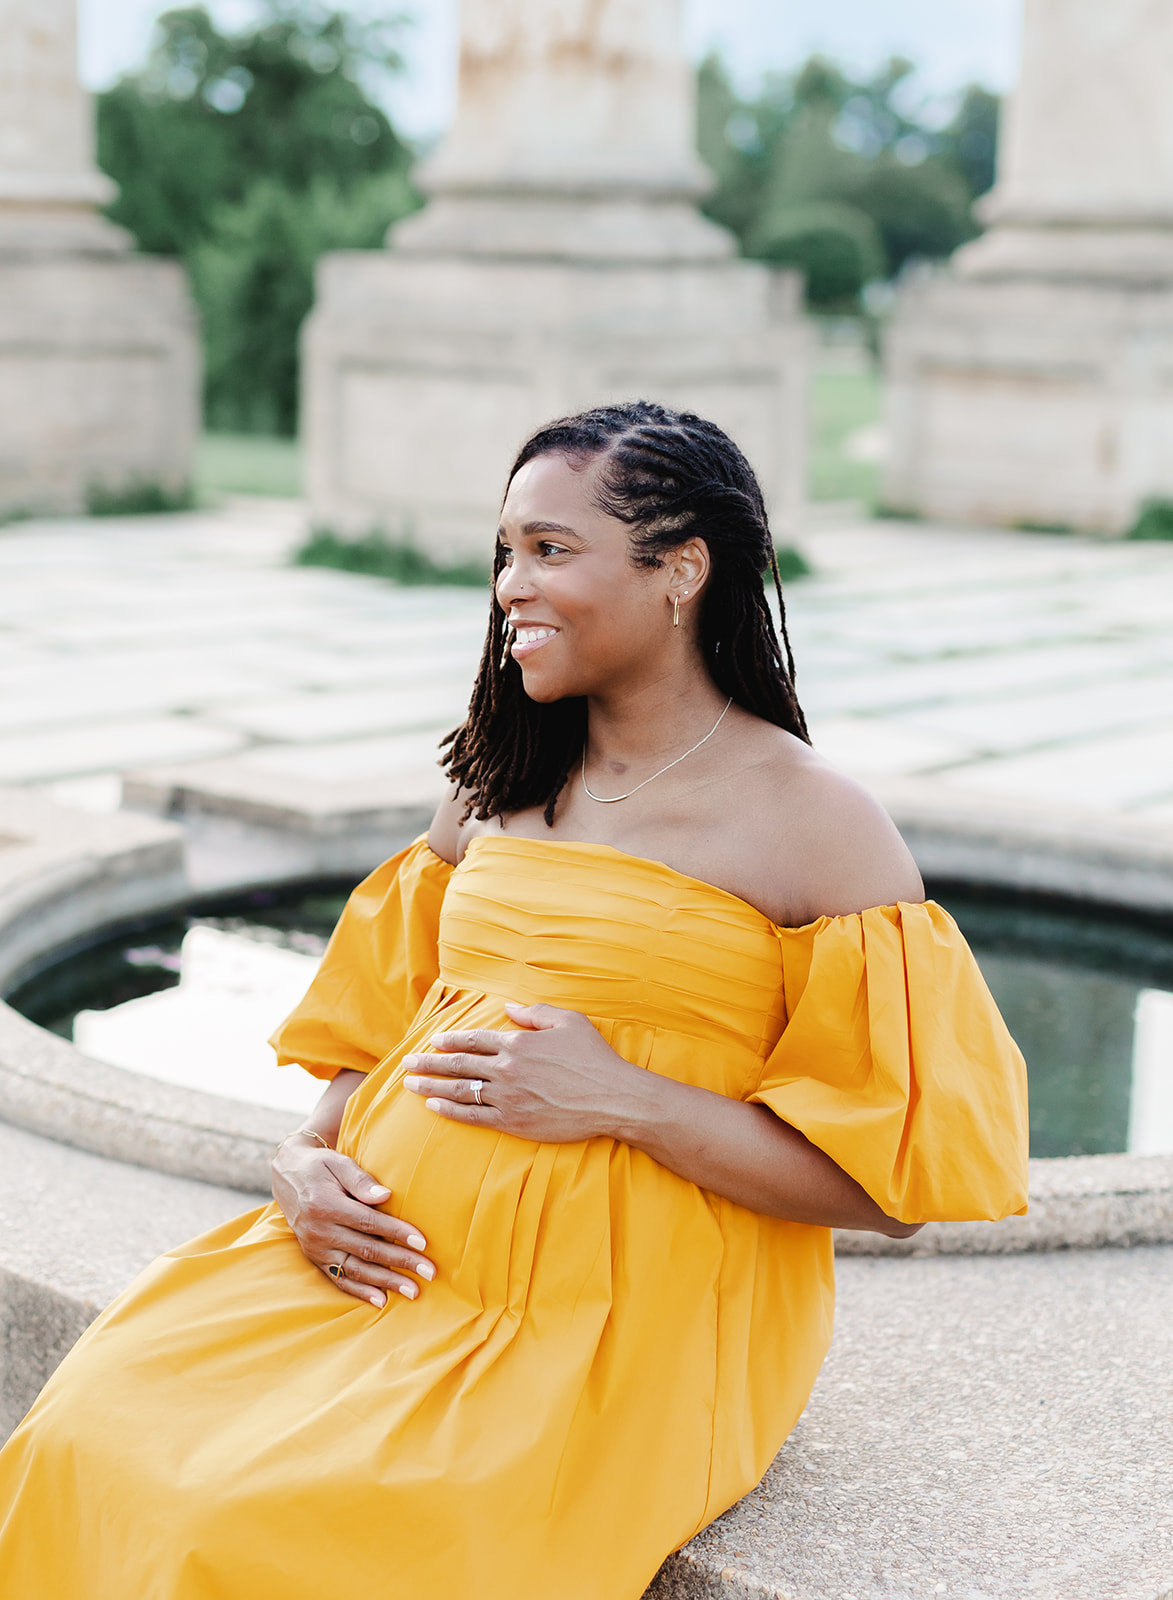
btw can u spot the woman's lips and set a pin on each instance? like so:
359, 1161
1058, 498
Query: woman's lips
529, 637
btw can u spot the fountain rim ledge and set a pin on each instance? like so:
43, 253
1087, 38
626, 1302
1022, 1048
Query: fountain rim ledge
65, 874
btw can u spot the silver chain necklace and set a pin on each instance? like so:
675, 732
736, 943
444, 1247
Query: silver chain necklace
610, 800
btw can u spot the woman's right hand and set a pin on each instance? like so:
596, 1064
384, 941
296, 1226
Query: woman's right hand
332, 1206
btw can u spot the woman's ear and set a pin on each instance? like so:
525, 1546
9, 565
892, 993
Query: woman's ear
688, 568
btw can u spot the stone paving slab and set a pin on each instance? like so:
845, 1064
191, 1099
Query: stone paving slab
101, 746
1023, 665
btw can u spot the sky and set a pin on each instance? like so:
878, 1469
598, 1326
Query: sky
953, 42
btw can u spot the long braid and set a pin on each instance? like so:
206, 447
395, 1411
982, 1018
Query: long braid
671, 476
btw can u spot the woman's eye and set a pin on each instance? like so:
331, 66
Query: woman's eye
548, 549
506, 554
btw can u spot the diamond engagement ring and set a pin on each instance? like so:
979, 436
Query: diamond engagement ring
477, 1085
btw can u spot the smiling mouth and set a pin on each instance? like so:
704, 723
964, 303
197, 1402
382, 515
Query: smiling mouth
530, 637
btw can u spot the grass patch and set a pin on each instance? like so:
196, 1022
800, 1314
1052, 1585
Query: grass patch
144, 497
1154, 522
1028, 525
247, 463
379, 557
841, 402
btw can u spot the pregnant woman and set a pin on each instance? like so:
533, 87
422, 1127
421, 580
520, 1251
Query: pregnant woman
657, 1004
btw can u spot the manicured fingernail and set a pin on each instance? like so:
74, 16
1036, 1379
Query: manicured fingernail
417, 1241
426, 1270
378, 1299
408, 1291
379, 1188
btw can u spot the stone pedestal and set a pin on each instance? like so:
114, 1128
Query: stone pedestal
1030, 383
560, 263
99, 366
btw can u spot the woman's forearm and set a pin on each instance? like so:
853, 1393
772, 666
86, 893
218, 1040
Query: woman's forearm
745, 1153
326, 1117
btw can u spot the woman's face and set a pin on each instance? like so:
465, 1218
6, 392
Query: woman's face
587, 618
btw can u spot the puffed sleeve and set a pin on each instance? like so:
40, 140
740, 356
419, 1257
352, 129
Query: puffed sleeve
895, 1061
380, 963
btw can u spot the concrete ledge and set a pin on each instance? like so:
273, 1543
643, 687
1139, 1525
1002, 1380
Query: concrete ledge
1108, 858
50, 1088
63, 873
76, 1229
247, 819
1076, 1202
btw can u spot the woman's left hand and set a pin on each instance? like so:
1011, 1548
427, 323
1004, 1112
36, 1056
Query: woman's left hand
554, 1079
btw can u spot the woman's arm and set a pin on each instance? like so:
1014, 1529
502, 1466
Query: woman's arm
747, 1154
556, 1079
332, 1206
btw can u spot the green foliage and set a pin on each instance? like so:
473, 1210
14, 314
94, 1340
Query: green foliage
254, 279
791, 563
828, 173
1154, 522
837, 246
247, 155
380, 557
143, 497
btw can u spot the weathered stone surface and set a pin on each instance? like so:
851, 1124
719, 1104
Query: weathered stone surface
1027, 383
99, 370
75, 1228
989, 1427
561, 264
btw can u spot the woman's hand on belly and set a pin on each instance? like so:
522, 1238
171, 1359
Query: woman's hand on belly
331, 1204
554, 1079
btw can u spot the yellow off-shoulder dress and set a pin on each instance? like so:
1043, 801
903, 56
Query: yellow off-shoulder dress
610, 1356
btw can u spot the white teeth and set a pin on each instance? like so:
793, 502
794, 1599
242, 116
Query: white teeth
534, 635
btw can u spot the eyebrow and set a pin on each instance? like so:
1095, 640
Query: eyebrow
529, 529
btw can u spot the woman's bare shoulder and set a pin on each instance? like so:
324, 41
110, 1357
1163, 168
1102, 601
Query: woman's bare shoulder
835, 849
451, 829
445, 836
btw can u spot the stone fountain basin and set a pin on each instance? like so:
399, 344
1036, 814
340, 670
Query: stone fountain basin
63, 875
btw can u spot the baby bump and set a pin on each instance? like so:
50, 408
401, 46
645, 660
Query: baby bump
477, 1195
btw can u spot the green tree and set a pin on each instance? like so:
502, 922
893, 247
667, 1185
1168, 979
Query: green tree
248, 155
830, 175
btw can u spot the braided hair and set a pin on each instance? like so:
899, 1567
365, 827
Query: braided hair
671, 477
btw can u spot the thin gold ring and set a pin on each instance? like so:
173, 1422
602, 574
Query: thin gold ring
337, 1270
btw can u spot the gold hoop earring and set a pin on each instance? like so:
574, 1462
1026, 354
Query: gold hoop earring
676, 611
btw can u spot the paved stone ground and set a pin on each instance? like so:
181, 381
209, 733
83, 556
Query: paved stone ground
1014, 664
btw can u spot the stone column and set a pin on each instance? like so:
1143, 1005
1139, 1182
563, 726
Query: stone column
99, 370
560, 262
1029, 383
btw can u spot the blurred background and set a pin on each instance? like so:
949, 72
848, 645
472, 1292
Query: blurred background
247, 139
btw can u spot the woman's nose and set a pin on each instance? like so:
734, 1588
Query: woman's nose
511, 585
